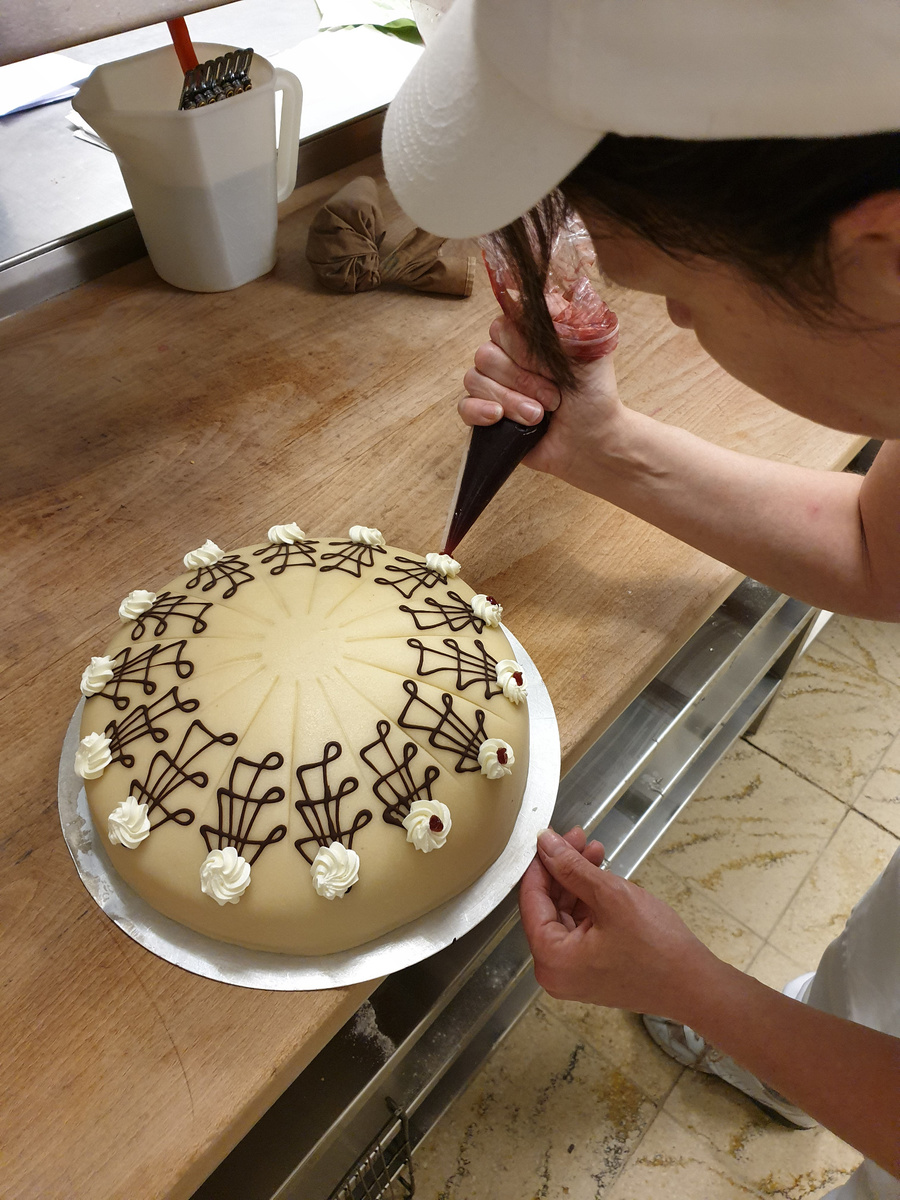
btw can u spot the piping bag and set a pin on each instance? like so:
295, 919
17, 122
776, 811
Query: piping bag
588, 329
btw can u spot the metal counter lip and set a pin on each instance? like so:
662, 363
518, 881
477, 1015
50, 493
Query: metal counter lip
441, 1017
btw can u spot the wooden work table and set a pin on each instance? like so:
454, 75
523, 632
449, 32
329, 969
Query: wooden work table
140, 420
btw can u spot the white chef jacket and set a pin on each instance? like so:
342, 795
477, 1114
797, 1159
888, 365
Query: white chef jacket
859, 979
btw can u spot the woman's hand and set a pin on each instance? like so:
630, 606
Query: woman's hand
503, 382
599, 939
602, 940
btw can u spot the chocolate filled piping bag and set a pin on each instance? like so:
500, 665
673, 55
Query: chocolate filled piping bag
588, 329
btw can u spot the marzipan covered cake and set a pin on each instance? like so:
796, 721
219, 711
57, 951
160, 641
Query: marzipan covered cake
304, 744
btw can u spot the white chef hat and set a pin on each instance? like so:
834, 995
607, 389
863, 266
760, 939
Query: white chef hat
510, 95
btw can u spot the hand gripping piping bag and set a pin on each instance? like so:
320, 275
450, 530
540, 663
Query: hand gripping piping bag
588, 330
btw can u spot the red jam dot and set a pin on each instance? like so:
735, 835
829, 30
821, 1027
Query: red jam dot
502, 756
490, 600
436, 825
517, 676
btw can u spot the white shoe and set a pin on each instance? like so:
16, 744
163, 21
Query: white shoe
798, 989
681, 1043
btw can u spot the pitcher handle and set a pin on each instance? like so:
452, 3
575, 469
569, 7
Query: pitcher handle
288, 132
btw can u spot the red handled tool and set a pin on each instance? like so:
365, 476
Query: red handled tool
211, 81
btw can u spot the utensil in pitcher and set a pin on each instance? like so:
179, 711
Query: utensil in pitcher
217, 78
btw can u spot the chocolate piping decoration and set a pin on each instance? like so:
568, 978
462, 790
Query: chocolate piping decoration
231, 567
449, 732
285, 552
415, 576
458, 615
469, 667
239, 808
168, 772
395, 786
352, 557
135, 669
166, 607
140, 723
320, 807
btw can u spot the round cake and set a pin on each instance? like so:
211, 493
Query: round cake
304, 744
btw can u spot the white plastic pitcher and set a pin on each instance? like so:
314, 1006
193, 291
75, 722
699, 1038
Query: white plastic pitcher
205, 182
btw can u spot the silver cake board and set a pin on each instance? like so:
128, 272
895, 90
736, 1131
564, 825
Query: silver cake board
287, 973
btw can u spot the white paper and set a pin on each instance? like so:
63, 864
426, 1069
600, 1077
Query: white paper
345, 73
37, 81
81, 129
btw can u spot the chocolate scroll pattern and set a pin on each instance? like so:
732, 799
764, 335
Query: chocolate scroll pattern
169, 772
396, 786
231, 567
320, 807
142, 722
446, 729
410, 577
351, 557
134, 668
466, 665
458, 615
239, 809
284, 555
169, 607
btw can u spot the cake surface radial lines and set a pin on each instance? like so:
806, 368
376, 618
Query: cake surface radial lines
300, 745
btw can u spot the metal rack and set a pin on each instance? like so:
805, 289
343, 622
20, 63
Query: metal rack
378, 1173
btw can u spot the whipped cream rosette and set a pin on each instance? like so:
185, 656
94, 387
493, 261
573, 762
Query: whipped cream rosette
128, 824
96, 675
304, 744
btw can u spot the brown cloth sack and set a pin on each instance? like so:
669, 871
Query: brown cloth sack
351, 250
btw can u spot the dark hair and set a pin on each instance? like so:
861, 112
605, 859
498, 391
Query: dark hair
763, 205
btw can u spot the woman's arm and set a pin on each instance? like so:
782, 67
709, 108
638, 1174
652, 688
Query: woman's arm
828, 538
602, 940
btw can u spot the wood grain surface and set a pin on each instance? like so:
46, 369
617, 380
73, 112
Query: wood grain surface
140, 420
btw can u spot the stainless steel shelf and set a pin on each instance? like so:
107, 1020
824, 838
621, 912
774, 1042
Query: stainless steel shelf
425, 1031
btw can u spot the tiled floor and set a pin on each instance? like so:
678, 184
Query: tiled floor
764, 865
